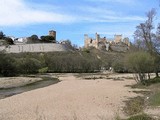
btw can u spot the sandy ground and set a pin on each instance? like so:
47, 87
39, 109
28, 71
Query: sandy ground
71, 99
153, 111
10, 82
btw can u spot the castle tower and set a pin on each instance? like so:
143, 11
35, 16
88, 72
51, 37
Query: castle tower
126, 41
97, 39
52, 33
86, 40
118, 38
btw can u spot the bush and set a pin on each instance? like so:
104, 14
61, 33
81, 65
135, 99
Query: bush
9, 40
48, 39
7, 67
77, 61
43, 70
119, 67
134, 106
28, 65
141, 63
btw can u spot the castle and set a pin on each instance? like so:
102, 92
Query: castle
52, 33
118, 44
24, 45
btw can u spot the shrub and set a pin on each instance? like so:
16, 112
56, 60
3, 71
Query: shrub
48, 39
43, 70
140, 63
119, 67
134, 106
28, 65
7, 67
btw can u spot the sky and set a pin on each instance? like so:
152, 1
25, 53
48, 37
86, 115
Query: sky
71, 19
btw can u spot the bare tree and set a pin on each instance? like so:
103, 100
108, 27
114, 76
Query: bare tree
150, 40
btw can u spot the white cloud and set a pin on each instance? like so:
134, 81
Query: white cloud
103, 14
131, 2
16, 12
112, 19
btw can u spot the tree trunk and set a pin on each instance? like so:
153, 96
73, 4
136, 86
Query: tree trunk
157, 74
149, 76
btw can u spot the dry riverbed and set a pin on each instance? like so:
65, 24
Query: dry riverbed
74, 98
10, 82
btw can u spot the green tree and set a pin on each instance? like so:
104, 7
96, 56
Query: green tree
7, 68
33, 39
9, 40
140, 63
48, 39
2, 35
119, 66
28, 65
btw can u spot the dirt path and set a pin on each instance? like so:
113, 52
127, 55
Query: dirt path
71, 99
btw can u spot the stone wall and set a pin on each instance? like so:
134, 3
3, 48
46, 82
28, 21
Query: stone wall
119, 47
39, 47
117, 44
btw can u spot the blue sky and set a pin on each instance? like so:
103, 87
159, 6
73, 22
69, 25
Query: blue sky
73, 18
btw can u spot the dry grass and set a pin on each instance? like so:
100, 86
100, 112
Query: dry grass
134, 106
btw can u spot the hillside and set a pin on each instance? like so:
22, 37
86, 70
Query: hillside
66, 61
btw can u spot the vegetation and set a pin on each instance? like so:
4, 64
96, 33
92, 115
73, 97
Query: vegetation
144, 55
141, 117
134, 106
31, 63
154, 96
7, 40
141, 63
33, 39
119, 65
7, 68
2, 35
149, 40
48, 39
155, 99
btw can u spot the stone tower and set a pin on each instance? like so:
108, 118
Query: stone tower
52, 33
118, 38
126, 41
97, 40
86, 40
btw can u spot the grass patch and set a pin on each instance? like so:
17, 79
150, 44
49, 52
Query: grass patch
109, 78
142, 92
134, 106
148, 83
118, 79
153, 81
138, 85
94, 78
141, 117
128, 77
155, 99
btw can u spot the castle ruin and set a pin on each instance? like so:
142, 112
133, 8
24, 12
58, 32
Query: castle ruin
22, 45
117, 44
